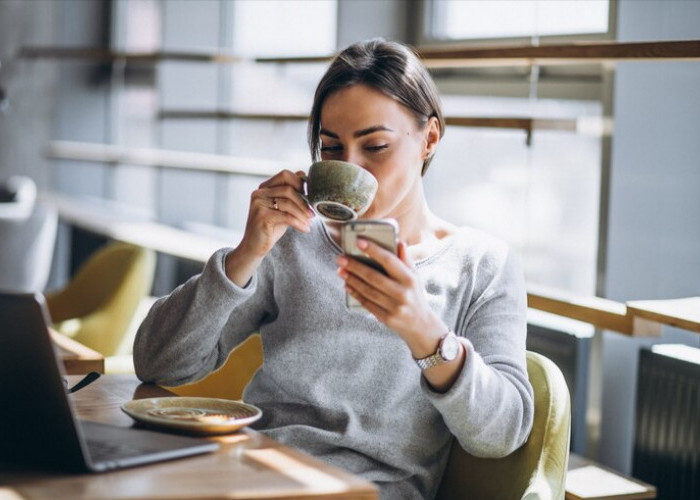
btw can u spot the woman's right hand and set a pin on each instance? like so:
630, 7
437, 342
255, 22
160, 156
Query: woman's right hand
276, 205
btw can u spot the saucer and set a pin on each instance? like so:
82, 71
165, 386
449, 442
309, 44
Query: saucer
193, 415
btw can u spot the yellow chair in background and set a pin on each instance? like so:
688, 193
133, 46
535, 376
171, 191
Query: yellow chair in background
228, 381
96, 307
537, 470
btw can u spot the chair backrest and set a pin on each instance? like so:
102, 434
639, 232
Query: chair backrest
538, 468
228, 381
26, 249
97, 305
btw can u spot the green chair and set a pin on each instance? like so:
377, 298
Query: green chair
97, 306
537, 470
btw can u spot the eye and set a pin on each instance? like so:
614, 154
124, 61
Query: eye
327, 149
376, 149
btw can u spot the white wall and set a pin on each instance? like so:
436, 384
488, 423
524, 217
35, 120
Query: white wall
30, 88
363, 19
654, 231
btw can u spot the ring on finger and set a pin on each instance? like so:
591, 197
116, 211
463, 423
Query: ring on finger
275, 206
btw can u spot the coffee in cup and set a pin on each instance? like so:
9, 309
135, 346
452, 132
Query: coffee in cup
339, 190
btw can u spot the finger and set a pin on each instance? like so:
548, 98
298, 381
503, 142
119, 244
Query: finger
284, 177
369, 292
289, 198
287, 213
381, 313
280, 217
374, 309
367, 273
289, 206
402, 253
392, 264
382, 289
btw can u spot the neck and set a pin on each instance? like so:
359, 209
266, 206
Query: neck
415, 222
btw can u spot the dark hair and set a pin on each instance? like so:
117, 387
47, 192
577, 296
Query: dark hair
389, 67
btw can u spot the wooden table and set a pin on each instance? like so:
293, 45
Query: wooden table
248, 465
77, 358
589, 480
681, 313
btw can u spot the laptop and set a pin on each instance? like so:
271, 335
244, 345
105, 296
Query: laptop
38, 424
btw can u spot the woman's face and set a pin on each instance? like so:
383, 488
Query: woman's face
364, 126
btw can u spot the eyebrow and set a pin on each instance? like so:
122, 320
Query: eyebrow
359, 133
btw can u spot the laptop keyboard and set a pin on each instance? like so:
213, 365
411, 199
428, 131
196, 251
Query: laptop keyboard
102, 450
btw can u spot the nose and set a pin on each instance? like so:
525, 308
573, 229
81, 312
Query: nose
350, 156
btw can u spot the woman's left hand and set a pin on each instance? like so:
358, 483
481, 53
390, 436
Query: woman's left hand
397, 299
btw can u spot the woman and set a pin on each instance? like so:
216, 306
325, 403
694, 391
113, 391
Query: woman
442, 352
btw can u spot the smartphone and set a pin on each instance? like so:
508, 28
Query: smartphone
383, 232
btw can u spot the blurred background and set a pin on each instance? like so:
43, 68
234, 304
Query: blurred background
173, 111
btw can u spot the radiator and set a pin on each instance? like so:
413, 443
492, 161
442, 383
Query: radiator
568, 344
667, 421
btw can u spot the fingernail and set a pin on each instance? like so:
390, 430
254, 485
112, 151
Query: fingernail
342, 261
361, 244
342, 273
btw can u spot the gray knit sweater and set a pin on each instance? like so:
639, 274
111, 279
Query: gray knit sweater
340, 385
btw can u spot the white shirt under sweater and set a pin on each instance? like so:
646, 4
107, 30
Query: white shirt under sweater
340, 385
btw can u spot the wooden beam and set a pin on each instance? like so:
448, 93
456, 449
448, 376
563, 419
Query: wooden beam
445, 56
573, 53
602, 313
504, 122
183, 114
93, 54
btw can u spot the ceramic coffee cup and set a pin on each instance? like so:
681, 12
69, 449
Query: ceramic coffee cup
339, 190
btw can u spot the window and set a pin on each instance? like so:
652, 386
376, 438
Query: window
302, 27
487, 19
542, 198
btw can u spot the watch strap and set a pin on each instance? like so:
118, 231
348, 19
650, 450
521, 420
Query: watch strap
436, 358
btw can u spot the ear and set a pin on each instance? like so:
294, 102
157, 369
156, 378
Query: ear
431, 137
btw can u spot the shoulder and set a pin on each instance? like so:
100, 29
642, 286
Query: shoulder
479, 246
469, 243
486, 257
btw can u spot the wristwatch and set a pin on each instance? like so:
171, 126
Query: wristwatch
447, 350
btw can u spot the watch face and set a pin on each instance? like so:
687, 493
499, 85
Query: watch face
449, 347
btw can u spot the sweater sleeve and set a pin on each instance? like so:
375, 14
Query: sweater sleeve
490, 407
191, 332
